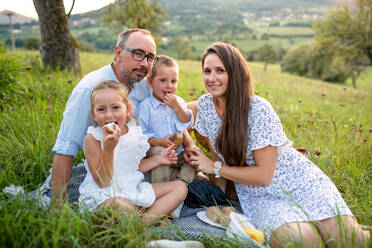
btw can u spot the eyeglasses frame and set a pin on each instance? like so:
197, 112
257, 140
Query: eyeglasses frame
156, 58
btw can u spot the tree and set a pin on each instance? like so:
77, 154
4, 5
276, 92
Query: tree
136, 14
58, 49
347, 32
269, 53
311, 60
183, 48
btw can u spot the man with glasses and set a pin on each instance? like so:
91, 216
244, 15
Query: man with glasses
134, 56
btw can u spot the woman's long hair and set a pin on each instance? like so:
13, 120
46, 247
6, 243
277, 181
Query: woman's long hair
232, 139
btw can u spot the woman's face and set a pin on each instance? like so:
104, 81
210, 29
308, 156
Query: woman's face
215, 76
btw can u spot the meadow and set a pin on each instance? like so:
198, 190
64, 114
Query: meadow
332, 121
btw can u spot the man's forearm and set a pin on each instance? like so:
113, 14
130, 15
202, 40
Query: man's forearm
61, 174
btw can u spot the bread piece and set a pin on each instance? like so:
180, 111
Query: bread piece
109, 127
214, 213
226, 214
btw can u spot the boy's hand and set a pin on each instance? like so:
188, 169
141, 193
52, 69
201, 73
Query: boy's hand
171, 100
167, 141
110, 140
168, 156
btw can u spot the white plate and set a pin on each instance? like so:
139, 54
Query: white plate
202, 215
235, 229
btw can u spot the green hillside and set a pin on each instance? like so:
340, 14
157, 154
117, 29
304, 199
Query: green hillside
333, 121
246, 23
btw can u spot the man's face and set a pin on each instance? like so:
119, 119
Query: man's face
132, 70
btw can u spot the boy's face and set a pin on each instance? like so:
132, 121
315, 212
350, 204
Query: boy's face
165, 81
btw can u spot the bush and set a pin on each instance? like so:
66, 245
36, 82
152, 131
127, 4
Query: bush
32, 43
309, 60
9, 73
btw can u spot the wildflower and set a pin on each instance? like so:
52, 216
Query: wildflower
342, 104
323, 94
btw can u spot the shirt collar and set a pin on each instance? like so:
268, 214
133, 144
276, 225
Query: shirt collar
155, 102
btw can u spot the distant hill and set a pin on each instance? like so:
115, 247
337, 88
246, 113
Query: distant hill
16, 18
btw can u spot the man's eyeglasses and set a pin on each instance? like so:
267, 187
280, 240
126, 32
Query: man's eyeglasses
139, 55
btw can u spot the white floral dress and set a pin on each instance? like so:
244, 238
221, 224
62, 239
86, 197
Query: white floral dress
127, 180
299, 190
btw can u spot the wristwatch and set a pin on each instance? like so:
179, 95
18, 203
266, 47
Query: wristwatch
216, 168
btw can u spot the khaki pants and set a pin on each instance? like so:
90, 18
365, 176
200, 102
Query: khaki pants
162, 174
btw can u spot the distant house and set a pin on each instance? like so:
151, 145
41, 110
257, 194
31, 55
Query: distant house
16, 18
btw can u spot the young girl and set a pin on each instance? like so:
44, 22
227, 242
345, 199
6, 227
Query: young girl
280, 190
114, 160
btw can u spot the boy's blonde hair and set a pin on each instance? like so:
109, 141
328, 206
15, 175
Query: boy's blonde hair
162, 60
109, 84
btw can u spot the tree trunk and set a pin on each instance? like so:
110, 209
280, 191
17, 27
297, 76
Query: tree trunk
353, 80
58, 49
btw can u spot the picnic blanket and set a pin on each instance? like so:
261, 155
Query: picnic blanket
188, 223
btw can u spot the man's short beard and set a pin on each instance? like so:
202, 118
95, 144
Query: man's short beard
128, 79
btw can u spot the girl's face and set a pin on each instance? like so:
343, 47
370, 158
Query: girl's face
109, 107
215, 76
165, 81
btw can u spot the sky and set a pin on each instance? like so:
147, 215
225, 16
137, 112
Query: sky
26, 7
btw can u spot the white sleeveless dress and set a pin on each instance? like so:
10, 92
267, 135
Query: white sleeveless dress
127, 181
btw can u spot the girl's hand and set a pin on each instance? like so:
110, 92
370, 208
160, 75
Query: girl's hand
171, 100
168, 156
111, 140
201, 162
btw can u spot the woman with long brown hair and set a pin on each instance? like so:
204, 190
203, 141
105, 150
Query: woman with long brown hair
281, 191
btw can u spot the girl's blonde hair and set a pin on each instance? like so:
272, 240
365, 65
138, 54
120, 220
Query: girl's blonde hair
109, 84
162, 60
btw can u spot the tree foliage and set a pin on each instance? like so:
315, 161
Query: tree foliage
183, 48
347, 33
136, 14
311, 60
267, 53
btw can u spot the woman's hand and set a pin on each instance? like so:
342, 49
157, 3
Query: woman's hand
188, 152
200, 161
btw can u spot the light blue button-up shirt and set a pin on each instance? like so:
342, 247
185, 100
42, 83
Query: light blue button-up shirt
159, 120
77, 119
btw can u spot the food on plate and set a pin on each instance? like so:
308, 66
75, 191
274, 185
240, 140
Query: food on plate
226, 214
214, 213
255, 234
109, 127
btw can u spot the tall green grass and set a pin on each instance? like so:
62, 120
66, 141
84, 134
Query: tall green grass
331, 120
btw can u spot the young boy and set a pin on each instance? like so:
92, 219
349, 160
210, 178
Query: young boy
164, 117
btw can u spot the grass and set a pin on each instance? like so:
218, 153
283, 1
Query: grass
332, 119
